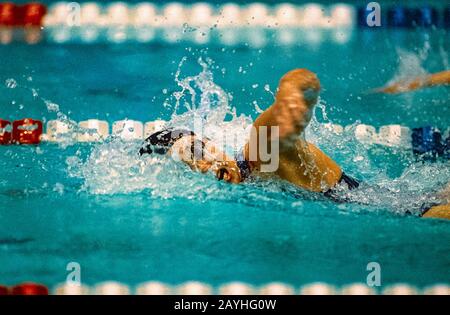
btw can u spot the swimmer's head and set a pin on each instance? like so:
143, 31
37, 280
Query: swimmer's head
200, 155
301, 80
204, 156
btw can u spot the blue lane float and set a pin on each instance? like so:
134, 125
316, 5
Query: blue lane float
425, 16
446, 17
427, 143
362, 14
447, 148
400, 17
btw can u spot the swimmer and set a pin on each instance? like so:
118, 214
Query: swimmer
436, 79
300, 162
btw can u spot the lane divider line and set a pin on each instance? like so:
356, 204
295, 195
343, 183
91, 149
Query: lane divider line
426, 142
231, 288
202, 14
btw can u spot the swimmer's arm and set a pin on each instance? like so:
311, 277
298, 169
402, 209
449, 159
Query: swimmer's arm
300, 162
441, 211
290, 113
436, 79
308, 167
438, 212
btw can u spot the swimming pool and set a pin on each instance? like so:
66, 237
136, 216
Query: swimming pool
121, 219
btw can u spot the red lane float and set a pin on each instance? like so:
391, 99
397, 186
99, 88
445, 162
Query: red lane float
33, 14
30, 14
27, 131
9, 14
5, 132
29, 289
3, 290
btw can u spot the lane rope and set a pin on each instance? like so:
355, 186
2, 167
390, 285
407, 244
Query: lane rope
232, 288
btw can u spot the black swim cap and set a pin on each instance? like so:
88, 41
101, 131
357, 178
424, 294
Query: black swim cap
161, 141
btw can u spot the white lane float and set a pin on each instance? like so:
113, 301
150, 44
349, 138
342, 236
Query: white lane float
60, 131
153, 288
174, 14
437, 289
58, 13
318, 288
230, 15
93, 130
277, 288
357, 289
342, 15
90, 13
71, 289
389, 135
117, 13
257, 14
400, 289
395, 136
312, 15
144, 14
236, 288
287, 14
128, 129
152, 127
194, 288
366, 134
111, 288
201, 14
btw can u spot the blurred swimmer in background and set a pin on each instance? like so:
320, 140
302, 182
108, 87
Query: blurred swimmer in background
426, 81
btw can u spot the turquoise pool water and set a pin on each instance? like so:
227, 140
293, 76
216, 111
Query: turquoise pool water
162, 222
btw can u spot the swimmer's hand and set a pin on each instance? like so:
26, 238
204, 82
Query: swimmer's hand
227, 171
298, 93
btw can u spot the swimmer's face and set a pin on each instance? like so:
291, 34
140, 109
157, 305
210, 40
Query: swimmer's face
204, 156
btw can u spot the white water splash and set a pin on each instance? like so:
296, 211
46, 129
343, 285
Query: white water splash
115, 167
